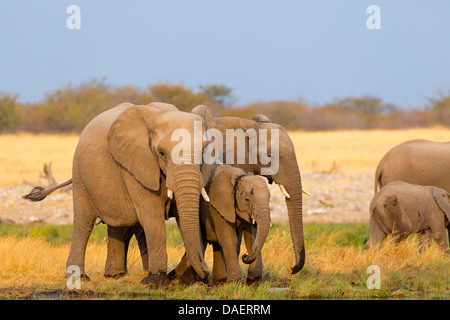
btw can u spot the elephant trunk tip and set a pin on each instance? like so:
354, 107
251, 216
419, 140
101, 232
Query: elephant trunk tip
300, 263
36, 194
247, 259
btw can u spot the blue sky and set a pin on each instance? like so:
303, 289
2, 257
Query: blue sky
263, 50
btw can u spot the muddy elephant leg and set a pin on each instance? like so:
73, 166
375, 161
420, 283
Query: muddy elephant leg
116, 260
139, 233
84, 216
219, 273
254, 274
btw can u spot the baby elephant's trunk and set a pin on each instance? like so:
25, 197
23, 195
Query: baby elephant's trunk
263, 225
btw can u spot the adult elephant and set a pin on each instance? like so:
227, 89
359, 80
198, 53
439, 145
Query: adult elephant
287, 175
420, 162
269, 152
124, 173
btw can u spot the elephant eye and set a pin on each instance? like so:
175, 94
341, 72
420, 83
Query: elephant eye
162, 154
247, 199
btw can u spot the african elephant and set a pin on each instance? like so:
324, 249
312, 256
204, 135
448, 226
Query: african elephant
273, 158
124, 172
401, 208
287, 174
420, 162
239, 203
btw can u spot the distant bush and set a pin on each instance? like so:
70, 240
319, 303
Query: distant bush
70, 108
10, 117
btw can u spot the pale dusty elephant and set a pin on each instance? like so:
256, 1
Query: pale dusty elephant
420, 162
270, 153
124, 173
239, 204
287, 173
401, 208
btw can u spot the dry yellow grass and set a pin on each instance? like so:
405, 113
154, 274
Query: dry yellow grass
34, 266
352, 151
23, 155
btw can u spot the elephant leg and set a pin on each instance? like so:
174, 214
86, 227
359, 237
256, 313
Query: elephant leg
228, 241
425, 239
448, 235
139, 233
377, 236
440, 235
84, 216
154, 226
116, 260
184, 272
219, 268
254, 274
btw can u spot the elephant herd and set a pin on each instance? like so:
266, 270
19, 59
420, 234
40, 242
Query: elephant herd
130, 173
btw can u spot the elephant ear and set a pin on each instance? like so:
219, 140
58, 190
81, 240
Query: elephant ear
203, 111
442, 199
261, 118
221, 192
129, 143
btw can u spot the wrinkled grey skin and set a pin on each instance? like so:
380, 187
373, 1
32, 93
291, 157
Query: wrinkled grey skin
401, 209
420, 162
287, 175
239, 204
122, 170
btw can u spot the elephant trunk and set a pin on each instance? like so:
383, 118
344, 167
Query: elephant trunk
187, 194
262, 218
289, 176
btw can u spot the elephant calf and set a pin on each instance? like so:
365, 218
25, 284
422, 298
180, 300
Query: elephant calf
239, 203
400, 209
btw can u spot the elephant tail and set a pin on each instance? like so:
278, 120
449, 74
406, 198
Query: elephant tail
378, 176
39, 193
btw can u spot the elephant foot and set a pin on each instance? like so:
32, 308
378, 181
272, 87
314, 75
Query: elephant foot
159, 279
83, 276
219, 281
188, 277
254, 281
115, 276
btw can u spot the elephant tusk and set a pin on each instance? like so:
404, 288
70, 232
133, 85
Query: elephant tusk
169, 193
205, 195
284, 192
306, 192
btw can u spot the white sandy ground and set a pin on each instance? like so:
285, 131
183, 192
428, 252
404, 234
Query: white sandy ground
335, 198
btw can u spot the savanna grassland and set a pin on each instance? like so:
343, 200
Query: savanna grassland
337, 169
